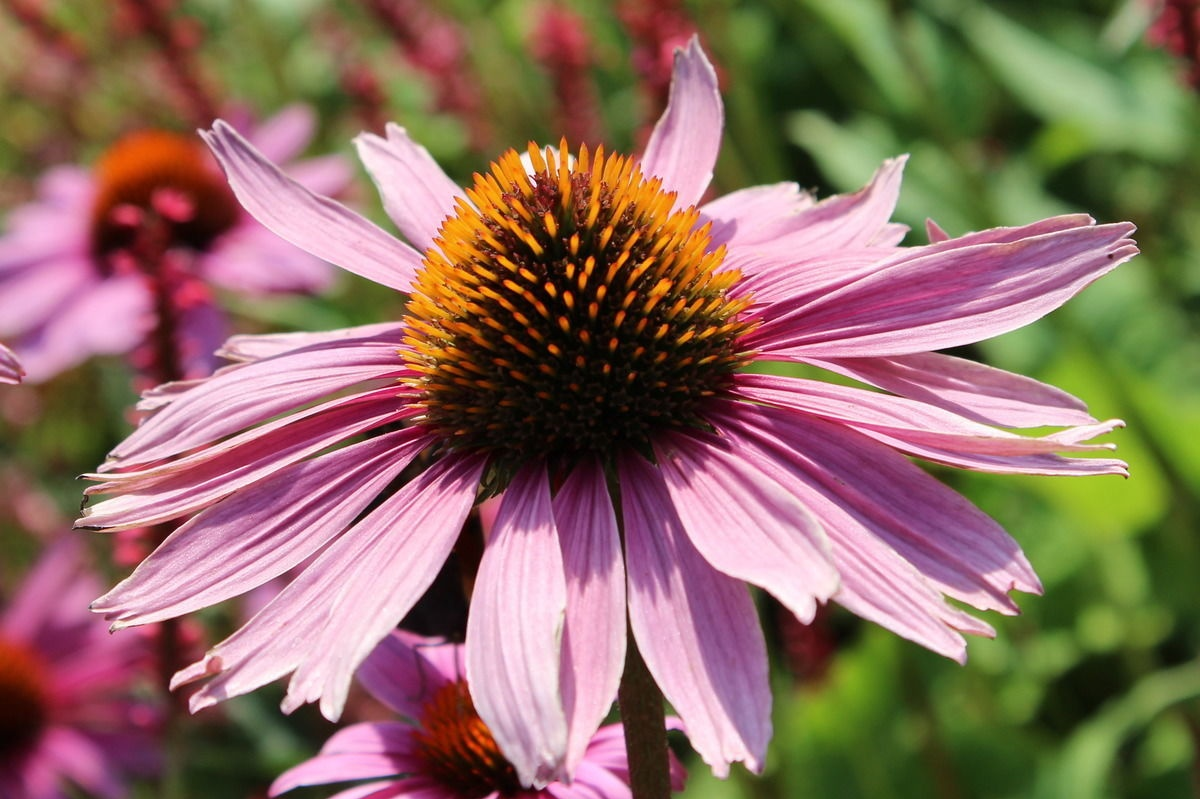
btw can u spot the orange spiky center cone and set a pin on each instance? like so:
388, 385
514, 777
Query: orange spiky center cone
568, 307
24, 697
163, 178
458, 749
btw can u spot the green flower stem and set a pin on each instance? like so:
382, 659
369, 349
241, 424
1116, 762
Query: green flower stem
642, 713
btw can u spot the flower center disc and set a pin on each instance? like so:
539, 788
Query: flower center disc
458, 749
165, 177
568, 308
24, 703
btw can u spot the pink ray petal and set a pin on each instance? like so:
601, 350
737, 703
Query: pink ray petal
326, 622
959, 549
261, 531
750, 217
771, 540
405, 670
252, 260
974, 390
920, 428
285, 134
10, 367
845, 221
256, 392
697, 628
684, 143
876, 582
595, 629
416, 193
180, 487
946, 295
316, 224
357, 752
256, 347
514, 635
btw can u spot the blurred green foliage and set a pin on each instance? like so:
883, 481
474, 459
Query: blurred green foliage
1012, 111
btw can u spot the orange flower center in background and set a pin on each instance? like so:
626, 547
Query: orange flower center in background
24, 698
160, 181
570, 308
458, 749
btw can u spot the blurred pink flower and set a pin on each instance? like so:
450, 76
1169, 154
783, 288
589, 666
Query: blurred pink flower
67, 711
442, 749
83, 266
575, 338
10, 367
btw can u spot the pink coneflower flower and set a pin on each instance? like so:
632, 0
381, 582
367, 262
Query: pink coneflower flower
67, 714
10, 367
84, 267
442, 749
577, 338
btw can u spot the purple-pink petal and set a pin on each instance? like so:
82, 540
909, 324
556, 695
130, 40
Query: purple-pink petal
326, 622
923, 429
314, 223
945, 295
179, 487
683, 146
973, 390
260, 532
357, 752
771, 540
514, 632
697, 628
10, 367
416, 193
959, 549
406, 669
594, 632
257, 392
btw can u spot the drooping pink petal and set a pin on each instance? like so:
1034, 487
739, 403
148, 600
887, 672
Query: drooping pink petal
683, 147
105, 318
190, 484
285, 134
317, 224
252, 260
514, 634
256, 347
922, 429
34, 287
857, 221
259, 532
974, 390
749, 217
945, 295
357, 752
767, 279
405, 670
959, 549
326, 622
594, 633
256, 392
771, 540
697, 628
10, 367
416, 193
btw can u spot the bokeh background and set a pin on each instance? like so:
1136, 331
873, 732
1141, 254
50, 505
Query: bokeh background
1012, 111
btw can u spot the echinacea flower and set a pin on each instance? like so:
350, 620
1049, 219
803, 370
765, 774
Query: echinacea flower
81, 265
10, 367
576, 338
441, 749
68, 713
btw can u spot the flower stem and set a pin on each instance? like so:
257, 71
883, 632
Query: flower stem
642, 714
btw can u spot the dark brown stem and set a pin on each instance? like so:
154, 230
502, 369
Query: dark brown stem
644, 719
